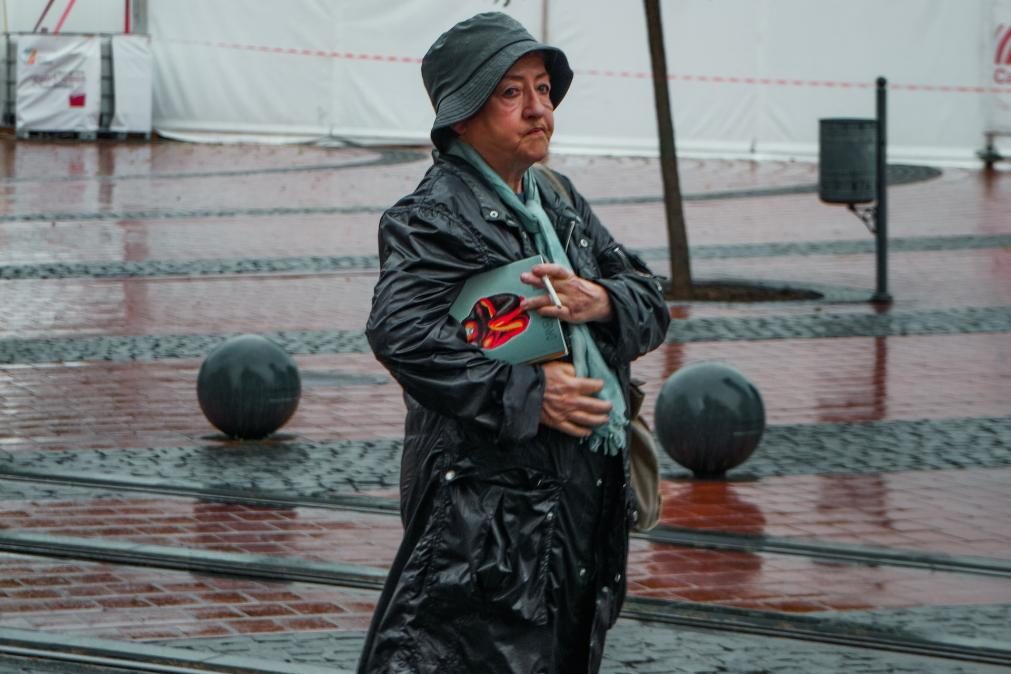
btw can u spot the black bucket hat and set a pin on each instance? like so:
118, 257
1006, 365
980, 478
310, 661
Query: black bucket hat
463, 67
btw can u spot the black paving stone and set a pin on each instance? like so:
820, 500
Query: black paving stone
967, 320
897, 174
335, 263
319, 469
638, 648
985, 624
289, 467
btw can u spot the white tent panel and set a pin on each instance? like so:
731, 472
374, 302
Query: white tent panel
227, 66
915, 45
86, 16
611, 100
747, 78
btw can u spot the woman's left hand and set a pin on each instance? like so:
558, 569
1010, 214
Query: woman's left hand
582, 301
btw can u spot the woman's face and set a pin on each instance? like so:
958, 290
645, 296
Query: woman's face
513, 129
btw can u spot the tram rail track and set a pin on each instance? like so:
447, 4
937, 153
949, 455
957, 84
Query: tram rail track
103, 656
689, 615
683, 614
662, 534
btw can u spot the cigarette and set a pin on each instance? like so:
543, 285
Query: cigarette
551, 292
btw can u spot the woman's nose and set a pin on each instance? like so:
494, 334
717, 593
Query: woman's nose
535, 107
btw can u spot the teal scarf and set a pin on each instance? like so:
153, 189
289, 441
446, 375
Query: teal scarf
586, 357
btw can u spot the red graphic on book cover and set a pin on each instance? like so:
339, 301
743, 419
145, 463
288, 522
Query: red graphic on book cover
495, 320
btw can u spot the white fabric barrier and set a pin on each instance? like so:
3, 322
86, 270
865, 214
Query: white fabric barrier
747, 78
59, 82
131, 72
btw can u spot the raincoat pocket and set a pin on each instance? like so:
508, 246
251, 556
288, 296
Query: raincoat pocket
495, 543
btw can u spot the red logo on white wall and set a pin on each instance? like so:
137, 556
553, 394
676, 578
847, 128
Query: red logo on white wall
1002, 55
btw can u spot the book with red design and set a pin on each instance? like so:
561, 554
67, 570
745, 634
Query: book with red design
488, 307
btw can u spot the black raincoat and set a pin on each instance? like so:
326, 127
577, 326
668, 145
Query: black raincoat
515, 535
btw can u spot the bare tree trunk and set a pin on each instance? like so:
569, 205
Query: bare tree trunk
677, 237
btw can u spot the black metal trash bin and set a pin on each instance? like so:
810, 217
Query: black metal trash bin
847, 164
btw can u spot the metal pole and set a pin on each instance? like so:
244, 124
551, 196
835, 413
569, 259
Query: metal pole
677, 237
63, 17
42, 16
881, 209
138, 16
545, 16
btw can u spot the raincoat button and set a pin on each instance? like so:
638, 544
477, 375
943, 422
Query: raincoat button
635, 514
550, 516
617, 577
582, 572
624, 485
450, 474
583, 243
600, 481
493, 214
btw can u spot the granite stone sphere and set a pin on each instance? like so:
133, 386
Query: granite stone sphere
709, 418
248, 387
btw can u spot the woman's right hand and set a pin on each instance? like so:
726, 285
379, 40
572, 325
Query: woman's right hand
570, 404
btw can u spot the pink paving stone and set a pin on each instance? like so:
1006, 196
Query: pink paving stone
958, 512
255, 626
796, 583
341, 301
327, 535
854, 379
802, 381
154, 404
670, 572
306, 624
958, 202
115, 614
190, 239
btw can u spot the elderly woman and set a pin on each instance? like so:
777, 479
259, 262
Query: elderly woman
515, 494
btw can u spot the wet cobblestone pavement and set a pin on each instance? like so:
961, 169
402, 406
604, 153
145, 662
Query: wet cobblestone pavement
868, 533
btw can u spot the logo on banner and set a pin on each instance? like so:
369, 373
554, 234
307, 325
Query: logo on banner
1002, 55
29, 56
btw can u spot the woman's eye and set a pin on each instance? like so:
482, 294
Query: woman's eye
544, 88
510, 92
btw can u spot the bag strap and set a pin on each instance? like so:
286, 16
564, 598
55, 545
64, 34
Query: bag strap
555, 182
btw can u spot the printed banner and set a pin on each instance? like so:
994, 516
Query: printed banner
59, 82
997, 67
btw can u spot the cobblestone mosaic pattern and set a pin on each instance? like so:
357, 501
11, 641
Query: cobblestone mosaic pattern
356, 466
15, 665
643, 648
952, 321
294, 469
969, 320
332, 263
978, 624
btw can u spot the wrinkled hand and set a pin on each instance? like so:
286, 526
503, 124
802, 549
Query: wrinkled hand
569, 404
582, 301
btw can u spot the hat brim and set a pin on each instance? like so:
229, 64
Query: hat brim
466, 101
